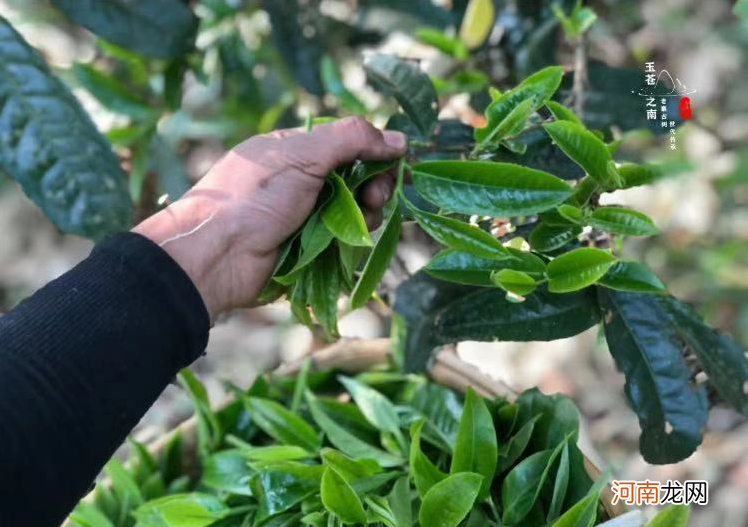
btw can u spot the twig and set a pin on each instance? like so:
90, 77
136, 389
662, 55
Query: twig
580, 74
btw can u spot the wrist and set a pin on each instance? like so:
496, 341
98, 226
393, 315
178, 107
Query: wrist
188, 230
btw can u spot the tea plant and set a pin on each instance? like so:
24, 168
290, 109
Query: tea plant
529, 253
397, 451
555, 258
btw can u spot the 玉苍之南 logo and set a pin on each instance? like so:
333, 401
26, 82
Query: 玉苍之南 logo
666, 100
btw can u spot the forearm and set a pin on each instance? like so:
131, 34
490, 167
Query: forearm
80, 363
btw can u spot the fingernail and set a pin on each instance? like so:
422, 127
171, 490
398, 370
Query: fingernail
395, 140
386, 193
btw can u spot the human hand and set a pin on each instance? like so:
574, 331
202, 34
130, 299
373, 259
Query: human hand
226, 231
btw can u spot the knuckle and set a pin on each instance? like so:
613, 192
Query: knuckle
275, 135
358, 127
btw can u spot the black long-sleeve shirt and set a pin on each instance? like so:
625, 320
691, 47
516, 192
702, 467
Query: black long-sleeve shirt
80, 363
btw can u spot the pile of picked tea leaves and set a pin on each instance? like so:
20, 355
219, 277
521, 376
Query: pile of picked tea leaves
381, 449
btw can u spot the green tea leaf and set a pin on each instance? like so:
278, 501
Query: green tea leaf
571, 213
373, 483
410, 86
578, 269
557, 418
181, 510
522, 486
349, 416
277, 487
208, 427
377, 409
476, 449
378, 511
348, 468
50, 146
513, 449
143, 465
448, 502
339, 498
347, 442
425, 474
171, 458
632, 276
350, 259
323, 290
515, 282
88, 515
513, 124
315, 238
559, 486
578, 22
282, 424
163, 29
620, 220
227, 471
399, 501
315, 519
111, 93
672, 516
438, 312
299, 300
721, 358
584, 191
477, 22
581, 514
275, 453
464, 268
486, 315
379, 260
442, 410
538, 87
487, 188
586, 150
458, 235
547, 238
637, 175
361, 172
562, 113
343, 218
648, 348
436, 38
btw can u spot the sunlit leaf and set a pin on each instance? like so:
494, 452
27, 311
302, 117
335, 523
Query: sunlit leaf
343, 218
477, 22
587, 150
493, 189
515, 282
632, 276
578, 269
448, 502
620, 220
538, 87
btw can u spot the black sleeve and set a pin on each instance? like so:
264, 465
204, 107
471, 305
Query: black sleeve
80, 363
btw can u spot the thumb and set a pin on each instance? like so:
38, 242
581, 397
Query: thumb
356, 138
